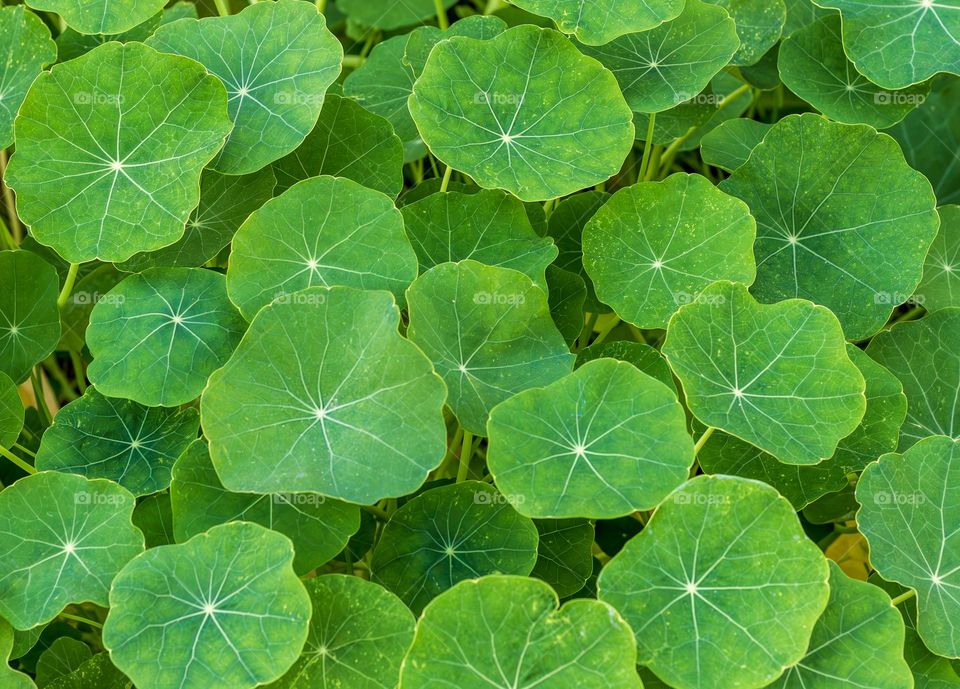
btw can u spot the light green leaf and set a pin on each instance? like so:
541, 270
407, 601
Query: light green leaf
10, 678
603, 442
730, 144
277, 60
64, 538
101, 16
488, 332
602, 21
11, 411
422, 40
489, 227
655, 246
448, 534
117, 439
721, 588
910, 514
566, 294
566, 225
759, 26
925, 356
777, 376
940, 286
672, 63
358, 636
62, 657
25, 49
154, 517
642, 356
109, 151
159, 334
323, 231
899, 44
858, 642
72, 44
348, 141
564, 554
501, 632
29, 318
390, 14
306, 403
96, 673
223, 609
479, 109
319, 528
858, 227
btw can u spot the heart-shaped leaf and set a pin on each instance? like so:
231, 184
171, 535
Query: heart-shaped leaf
101, 16
29, 317
601, 21
25, 49
940, 286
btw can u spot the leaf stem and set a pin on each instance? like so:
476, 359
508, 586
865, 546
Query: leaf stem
466, 454
25, 450
223, 7
445, 182
51, 366
37, 384
910, 314
702, 440
79, 374
16, 460
6, 236
647, 146
493, 6
376, 512
84, 620
606, 330
907, 595
321, 6
353, 61
441, 14
68, 285
15, 227
637, 333
584, 339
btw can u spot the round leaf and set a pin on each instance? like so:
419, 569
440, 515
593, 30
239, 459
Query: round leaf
101, 16
223, 609
777, 376
601, 21
389, 14
276, 59
96, 673
29, 317
940, 286
160, 334
721, 588
61, 658
11, 412
493, 110
306, 403
25, 49
72, 44
422, 40
759, 26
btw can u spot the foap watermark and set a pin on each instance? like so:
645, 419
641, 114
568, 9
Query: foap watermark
299, 499
482, 497
84, 497
895, 298
84, 298
310, 298
297, 98
499, 298
711, 99
898, 98
488, 98
898, 499
682, 298
700, 499
97, 98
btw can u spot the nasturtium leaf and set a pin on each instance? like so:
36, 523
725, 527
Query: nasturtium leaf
730, 144
721, 588
347, 141
154, 517
940, 286
318, 527
925, 356
101, 16
564, 554
566, 294
777, 376
10, 678
359, 633
110, 147
63, 656
25, 641
503, 632
390, 14
676, 122
25, 49
929, 671
72, 44
857, 642
421, 41
667, 65
489, 227
29, 318
601, 21
75, 313
759, 26
182, 9
896, 44
223, 609
277, 60
727, 99
655, 246
642, 356
763, 74
225, 202
813, 65
448, 534
160, 334
801, 13
603, 442
488, 332
11, 411
858, 227
306, 403
64, 538
96, 673
566, 225
910, 516
524, 111
323, 231
117, 439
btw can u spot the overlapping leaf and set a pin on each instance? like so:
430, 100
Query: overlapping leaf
599, 22
564, 554
29, 318
940, 286
759, 26
11, 412
101, 16
730, 144
10, 678
389, 14
25, 49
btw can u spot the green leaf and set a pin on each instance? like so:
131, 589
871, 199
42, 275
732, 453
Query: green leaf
388, 14
730, 144
909, 514
101, 16
319, 528
323, 231
504, 631
11, 412
448, 534
25, 49
29, 318
722, 90
721, 588
348, 141
655, 246
109, 151
154, 517
96, 673
777, 376
117, 439
940, 286
925, 356
160, 334
813, 65
859, 224
277, 60
489, 227
358, 636
64, 538
62, 657
602, 21
72, 44
667, 65
223, 609
929, 671
422, 40
10, 678
566, 225
306, 403
566, 294
642, 356
603, 442
858, 642
564, 554
759, 26
488, 332
479, 109
801, 13
899, 44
